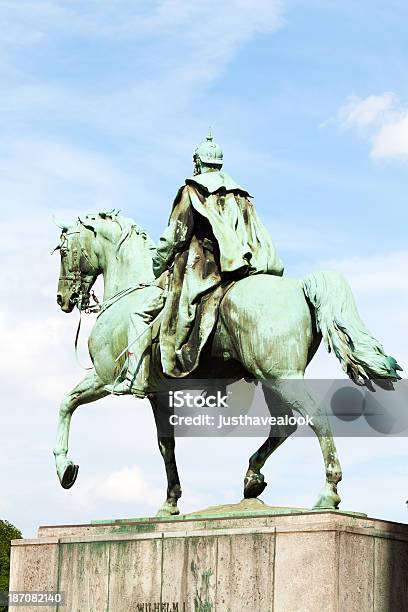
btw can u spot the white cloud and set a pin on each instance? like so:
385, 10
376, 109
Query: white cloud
128, 485
382, 274
229, 20
178, 48
23, 342
383, 120
202, 35
54, 174
392, 139
363, 112
380, 288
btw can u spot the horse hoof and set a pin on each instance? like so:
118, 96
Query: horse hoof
254, 486
327, 501
168, 510
70, 475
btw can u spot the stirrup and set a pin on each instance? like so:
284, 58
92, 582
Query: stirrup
118, 388
125, 388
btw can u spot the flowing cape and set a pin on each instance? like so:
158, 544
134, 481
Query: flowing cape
214, 237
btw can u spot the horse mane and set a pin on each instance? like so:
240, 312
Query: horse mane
127, 227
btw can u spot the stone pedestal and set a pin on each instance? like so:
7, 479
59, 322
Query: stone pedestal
256, 562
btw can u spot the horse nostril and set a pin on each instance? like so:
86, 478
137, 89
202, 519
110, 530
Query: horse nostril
59, 299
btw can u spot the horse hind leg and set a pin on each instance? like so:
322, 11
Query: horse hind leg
88, 390
254, 482
328, 497
295, 393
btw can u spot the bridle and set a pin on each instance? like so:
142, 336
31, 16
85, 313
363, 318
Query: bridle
81, 283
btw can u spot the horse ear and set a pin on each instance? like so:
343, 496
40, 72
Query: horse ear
63, 225
109, 214
85, 223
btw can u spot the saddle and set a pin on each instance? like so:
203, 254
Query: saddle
188, 356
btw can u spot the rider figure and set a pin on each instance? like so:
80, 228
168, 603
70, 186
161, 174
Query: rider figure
214, 237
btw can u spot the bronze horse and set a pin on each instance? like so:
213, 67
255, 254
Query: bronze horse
268, 327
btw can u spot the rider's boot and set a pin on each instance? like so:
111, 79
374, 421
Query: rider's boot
138, 361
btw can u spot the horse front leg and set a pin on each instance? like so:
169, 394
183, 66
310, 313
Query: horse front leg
90, 389
167, 449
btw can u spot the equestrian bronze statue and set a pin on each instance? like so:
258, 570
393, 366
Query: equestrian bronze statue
210, 301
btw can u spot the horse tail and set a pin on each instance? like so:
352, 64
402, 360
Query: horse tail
337, 318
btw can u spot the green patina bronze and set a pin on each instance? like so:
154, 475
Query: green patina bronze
244, 509
202, 598
213, 294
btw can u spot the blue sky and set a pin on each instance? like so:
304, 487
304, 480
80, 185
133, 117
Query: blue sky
102, 104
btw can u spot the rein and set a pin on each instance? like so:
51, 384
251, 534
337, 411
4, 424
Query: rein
100, 309
81, 283
79, 280
116, 297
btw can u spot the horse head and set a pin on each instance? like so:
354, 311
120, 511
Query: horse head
79, 266
92, 245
